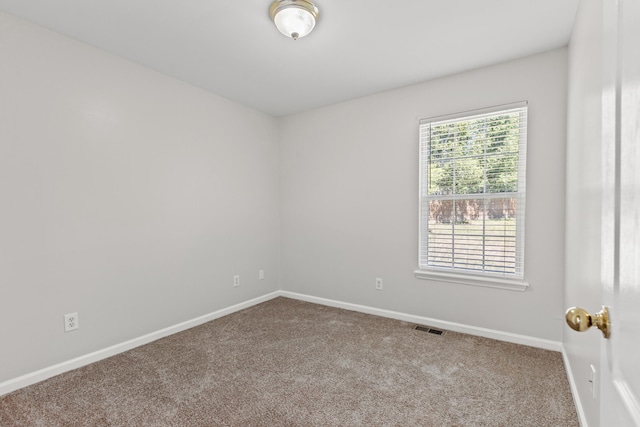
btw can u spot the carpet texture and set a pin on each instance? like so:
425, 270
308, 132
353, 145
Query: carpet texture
292, 363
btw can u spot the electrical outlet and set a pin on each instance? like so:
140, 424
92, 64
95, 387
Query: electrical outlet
236, 280
378, 284
261, 274
71, 322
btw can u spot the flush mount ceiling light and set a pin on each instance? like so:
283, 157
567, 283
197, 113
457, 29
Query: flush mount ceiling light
294, 18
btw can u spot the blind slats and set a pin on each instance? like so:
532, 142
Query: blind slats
472, 190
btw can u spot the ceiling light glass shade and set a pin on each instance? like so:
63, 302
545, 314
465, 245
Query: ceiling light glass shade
294, 18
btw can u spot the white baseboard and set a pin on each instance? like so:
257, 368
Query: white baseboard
48, 372
43, 374
574, 390
442, 324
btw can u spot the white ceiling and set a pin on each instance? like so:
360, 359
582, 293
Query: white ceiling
359, 47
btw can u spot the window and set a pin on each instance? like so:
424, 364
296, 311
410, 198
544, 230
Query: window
472, 194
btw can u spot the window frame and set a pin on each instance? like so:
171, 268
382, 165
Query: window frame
510, 281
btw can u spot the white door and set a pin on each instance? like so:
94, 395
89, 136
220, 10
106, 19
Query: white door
620, 357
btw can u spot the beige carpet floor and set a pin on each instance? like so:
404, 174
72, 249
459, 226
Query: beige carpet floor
291, 363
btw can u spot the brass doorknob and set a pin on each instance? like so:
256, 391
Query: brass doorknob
580, 320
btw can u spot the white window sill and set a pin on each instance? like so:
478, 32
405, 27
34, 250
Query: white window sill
467, 279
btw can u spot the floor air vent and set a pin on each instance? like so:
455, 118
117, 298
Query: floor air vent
428, 329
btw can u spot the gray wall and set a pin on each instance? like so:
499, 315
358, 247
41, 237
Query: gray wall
349, 199
126, 196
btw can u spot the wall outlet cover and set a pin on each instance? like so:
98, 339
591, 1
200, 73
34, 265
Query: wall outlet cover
71, 322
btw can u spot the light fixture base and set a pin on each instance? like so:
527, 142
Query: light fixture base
294, 18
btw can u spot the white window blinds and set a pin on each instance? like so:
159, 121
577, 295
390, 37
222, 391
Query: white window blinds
472, 191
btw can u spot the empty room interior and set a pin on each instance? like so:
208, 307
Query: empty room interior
296, 213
